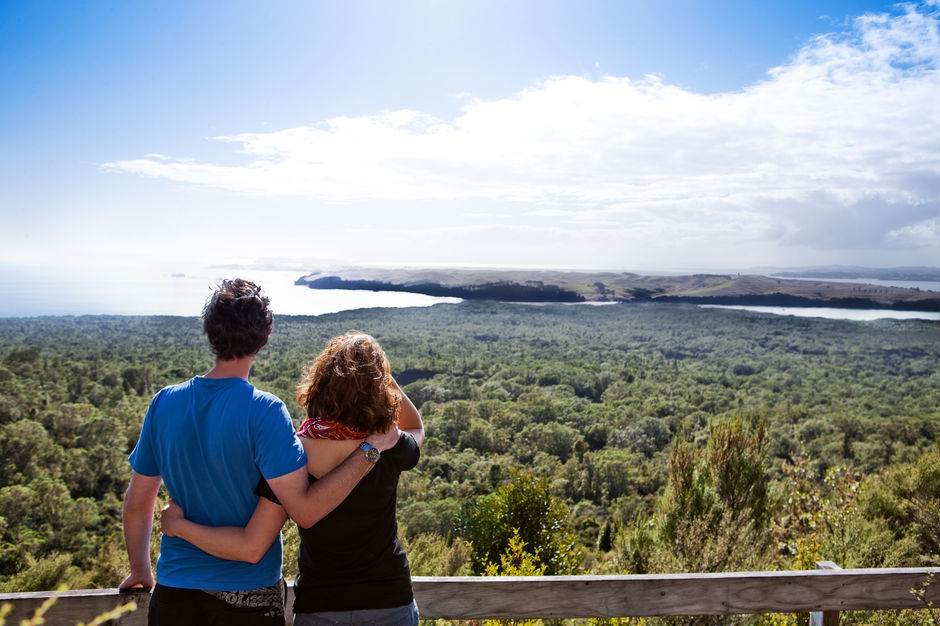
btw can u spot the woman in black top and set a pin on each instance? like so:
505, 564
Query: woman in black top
352, 568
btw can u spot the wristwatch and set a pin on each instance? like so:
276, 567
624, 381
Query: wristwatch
372, 453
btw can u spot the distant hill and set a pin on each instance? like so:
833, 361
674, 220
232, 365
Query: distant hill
877, 273
575, 286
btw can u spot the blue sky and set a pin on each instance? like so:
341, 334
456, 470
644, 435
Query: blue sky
161, 136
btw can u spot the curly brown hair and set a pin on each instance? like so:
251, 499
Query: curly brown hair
351, 382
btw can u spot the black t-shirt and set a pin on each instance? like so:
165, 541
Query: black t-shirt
352, 559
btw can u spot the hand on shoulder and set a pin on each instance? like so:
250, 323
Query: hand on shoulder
384, 441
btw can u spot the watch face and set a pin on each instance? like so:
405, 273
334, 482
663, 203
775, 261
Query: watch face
372, 453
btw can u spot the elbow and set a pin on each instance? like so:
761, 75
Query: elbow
299, 513
308, 514
253, 552
254, 555
305, 520
131, 510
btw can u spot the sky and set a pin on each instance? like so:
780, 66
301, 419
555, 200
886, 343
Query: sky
156, 137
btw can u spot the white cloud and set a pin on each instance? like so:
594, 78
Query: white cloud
839, 147
923, 233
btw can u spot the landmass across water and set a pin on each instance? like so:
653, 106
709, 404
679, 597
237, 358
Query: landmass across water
538, 285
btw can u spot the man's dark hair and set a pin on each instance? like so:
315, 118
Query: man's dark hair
237, 319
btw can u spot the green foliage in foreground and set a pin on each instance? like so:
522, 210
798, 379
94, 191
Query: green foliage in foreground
522, 512
716, 501
787, 439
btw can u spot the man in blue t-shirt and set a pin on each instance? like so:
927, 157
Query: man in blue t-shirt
210, 440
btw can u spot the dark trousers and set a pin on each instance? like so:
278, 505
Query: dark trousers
172, 606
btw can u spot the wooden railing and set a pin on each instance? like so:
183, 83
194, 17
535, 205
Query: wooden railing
825, 591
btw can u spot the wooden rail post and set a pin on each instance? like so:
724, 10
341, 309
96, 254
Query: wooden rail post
825, 618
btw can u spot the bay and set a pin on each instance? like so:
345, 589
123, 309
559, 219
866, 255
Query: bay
28, 292
859, 315
32, 292
920, 285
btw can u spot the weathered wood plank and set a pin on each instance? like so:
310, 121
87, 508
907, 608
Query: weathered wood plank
669, 594
72, 607
587, 596
83, 605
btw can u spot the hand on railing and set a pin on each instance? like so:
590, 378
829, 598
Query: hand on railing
142, 580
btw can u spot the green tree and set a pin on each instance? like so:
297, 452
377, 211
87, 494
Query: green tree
527, 509
905, 506
714, 514
26, 452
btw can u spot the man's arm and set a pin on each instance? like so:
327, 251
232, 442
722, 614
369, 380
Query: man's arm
139, 501
235, 543
307, 504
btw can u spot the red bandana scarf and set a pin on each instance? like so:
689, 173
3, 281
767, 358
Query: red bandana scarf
323, 428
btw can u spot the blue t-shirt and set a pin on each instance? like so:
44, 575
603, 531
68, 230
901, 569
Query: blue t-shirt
211, 440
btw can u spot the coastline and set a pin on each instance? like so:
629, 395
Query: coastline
569, 287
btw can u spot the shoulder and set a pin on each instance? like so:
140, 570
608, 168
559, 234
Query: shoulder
171, 392
267, 400
267, 409
405, 453
406, 441
271, 424
178, 388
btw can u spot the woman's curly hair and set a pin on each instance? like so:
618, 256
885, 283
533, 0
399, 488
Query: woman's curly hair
350, 382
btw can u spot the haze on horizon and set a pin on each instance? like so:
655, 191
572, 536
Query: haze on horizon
158, 137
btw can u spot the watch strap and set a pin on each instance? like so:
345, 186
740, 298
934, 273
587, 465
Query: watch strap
372, 453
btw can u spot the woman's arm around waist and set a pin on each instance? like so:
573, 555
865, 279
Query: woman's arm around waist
234, 543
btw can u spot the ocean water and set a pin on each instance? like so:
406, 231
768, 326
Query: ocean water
28, 293
923, 285
859, 315
131, 291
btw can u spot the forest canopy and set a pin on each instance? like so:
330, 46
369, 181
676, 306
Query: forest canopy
653, 437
